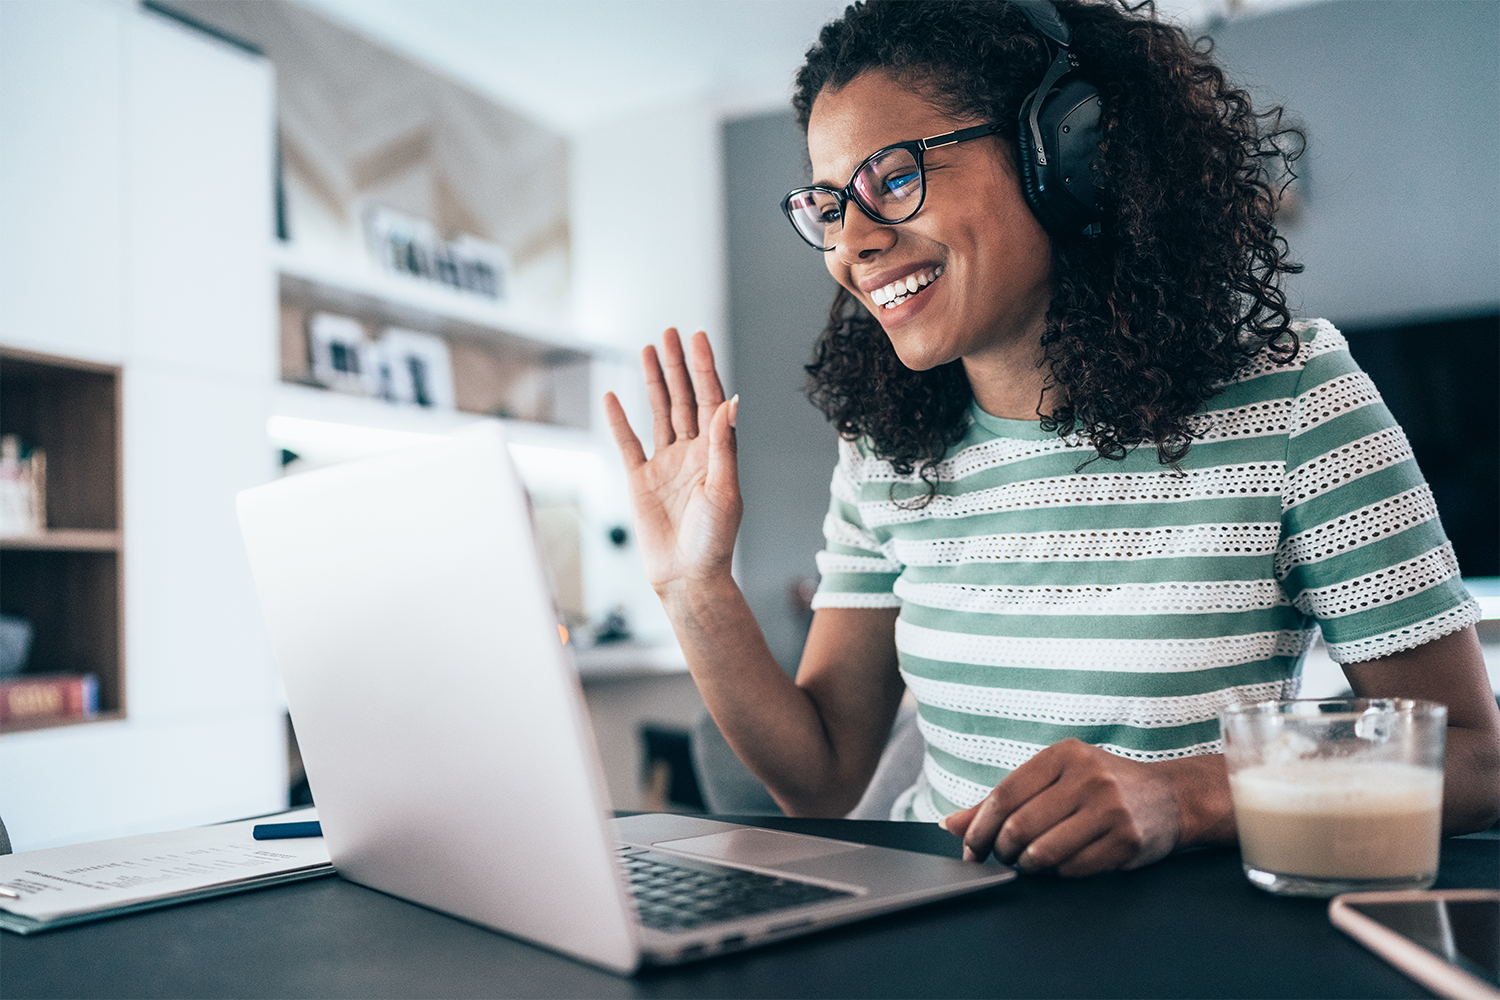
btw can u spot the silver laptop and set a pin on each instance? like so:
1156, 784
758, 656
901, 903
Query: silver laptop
443, 727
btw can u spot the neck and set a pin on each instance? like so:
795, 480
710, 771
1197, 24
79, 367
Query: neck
1008, 380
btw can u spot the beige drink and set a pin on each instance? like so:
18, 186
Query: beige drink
1345, 821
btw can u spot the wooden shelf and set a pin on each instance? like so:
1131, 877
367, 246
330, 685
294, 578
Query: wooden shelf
68, 580
504, 364
30, 725
64, 540
628, 660
399, 300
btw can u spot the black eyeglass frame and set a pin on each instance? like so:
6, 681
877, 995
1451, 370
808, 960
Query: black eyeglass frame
847, 194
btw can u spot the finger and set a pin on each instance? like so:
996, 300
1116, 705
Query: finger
680, 385
979, 838
1042, 771
1033, 820
1019, 787
625, 439
660, 399
723, 478
1106, 854
706, 384
1080, 845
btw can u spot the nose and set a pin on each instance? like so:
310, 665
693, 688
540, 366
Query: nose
862, 237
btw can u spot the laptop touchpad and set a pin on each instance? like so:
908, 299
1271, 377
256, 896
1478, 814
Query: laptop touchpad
759, 847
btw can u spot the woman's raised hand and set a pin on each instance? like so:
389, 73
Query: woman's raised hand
686, 496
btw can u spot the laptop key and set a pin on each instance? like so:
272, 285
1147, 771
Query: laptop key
673, 897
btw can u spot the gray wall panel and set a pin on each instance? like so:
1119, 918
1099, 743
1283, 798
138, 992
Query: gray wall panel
1398, 98
779, 293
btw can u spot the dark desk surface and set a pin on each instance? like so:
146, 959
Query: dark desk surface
1188, 926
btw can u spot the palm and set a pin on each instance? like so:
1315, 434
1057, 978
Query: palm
685, 532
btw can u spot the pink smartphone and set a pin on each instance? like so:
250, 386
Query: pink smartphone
1446, 939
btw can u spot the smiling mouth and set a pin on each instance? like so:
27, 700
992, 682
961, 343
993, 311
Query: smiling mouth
897, 292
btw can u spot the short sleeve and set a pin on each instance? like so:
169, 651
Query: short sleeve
1362, 549
855, 567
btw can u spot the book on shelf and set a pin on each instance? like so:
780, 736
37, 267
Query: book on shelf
42, 697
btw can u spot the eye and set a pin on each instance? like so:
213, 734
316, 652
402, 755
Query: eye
830, 215
903, 185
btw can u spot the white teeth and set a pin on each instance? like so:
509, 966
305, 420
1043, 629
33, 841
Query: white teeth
897, 291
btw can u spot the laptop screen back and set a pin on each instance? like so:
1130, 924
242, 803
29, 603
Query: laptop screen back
439, 717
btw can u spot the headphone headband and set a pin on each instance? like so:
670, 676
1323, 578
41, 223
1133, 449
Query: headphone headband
1046, 20
1060, 134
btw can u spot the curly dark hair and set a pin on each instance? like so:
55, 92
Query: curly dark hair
1149, 319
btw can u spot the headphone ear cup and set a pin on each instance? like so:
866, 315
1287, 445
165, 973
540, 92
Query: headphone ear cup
1062, 192
1031, 186
1033, 178
1072, 129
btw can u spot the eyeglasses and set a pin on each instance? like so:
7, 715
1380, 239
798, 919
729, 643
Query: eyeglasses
889, 187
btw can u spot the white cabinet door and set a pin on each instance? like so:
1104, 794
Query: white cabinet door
201, 322
195, 640
61, 177
199, 124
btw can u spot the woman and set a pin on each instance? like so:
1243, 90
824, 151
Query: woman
1094, 483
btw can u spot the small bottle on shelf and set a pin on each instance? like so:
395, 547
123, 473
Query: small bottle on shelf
23, 488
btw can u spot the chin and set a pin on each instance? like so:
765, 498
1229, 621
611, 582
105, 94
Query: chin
917, 357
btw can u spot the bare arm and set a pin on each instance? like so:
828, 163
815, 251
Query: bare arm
1451, 671
814, 742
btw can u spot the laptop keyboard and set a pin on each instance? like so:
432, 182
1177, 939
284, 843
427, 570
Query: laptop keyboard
672, 894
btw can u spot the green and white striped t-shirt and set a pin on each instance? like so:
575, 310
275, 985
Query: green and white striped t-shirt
1125, 604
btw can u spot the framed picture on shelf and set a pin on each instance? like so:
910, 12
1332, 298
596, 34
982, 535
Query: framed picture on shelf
413, 247
342, 356
15, 644
416, 369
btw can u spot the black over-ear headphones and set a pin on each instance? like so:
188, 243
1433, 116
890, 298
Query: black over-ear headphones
1060, 134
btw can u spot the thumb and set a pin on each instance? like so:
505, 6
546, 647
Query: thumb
958, 823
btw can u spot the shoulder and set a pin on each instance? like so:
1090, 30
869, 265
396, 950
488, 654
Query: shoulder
1316, 338
1322, 359
1273, 396
858, 459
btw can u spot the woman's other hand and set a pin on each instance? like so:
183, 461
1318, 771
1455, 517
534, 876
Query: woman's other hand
1078, 810
686, 496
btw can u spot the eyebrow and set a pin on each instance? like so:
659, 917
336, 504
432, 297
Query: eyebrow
930, 142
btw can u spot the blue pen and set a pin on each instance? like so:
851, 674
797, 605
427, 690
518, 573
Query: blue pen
286, 831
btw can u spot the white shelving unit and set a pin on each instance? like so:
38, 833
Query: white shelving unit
407, 300
506, 363
566, 460
135, 189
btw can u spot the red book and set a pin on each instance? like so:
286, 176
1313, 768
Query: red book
59, 696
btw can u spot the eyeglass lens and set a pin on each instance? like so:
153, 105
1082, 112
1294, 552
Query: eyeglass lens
888, 186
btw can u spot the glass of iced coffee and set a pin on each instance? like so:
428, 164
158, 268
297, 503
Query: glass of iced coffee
1337, 796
